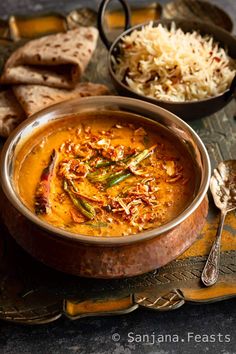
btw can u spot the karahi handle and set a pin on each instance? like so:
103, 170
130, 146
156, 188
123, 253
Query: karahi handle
101, 16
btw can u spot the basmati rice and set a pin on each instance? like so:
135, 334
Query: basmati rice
171, 65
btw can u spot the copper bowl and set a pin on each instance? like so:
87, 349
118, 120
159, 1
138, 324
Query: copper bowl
105, 257
187, 110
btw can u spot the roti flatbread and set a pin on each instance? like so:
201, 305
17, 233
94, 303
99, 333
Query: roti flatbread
11, 113
57, 60
33, 98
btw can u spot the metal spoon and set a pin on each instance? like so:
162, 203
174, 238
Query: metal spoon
223, 189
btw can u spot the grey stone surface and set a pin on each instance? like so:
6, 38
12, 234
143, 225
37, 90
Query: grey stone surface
94, 335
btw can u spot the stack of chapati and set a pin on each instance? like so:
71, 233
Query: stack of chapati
46, 71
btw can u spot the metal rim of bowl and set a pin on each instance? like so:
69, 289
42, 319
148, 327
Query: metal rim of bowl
104, 240
150, 98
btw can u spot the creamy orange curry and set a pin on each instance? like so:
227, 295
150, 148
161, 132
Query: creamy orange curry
102, 175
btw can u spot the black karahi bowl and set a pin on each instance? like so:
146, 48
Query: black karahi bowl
188, 109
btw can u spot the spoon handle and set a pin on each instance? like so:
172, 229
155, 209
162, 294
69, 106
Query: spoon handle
210, 272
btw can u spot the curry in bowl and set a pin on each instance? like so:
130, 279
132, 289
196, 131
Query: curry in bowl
101, 174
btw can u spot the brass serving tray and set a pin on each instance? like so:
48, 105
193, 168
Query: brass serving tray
32, 293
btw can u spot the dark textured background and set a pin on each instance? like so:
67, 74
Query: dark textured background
94, 335
90, 336
7, 7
